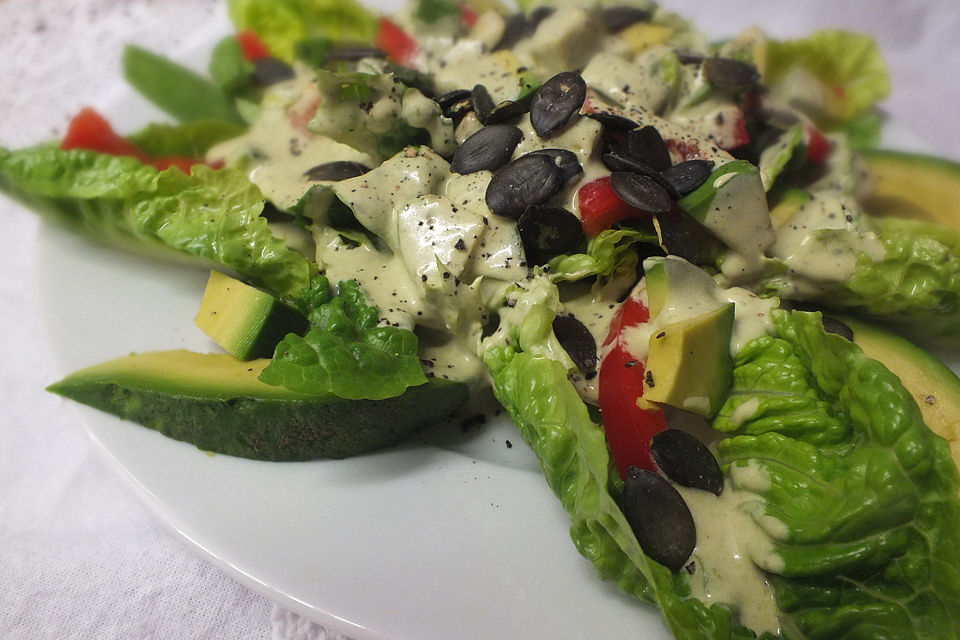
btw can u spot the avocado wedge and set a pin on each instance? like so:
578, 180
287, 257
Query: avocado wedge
218, 403
912, 185
934, 387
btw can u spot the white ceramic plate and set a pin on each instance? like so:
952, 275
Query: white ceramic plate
453, 536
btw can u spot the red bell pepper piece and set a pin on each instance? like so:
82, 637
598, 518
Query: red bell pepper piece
628, 427
90, 130
252, 46
400, 47
818, 147
600, 207
740, 136
467, 16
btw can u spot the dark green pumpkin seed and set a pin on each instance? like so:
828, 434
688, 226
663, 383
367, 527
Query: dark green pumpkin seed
729, 73
578, 342
833, 325
687, 176
354, 53
516, 29
683, 236
566, 160
659, 517
617, 162
504, 112
641, 192
528, 180
482, 102
537, 16
456, 104
646, 145
613, 121
686, 460
616, 19
548, 231
685, 56
488, 149
336, 171
556, 102
268, 71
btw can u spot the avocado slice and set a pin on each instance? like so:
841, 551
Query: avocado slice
791, 202
732, 205
218, 403
670, 277
244, 320
689, 364
912, 185
934, 387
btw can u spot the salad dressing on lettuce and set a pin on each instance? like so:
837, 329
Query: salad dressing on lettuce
460, 291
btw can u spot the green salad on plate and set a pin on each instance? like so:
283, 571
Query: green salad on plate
684, 268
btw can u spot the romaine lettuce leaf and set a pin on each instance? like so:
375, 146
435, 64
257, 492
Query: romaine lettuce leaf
345, 353
867, 493
609, 254
211, 214
190, 139
916, 287
283, 23
848, 66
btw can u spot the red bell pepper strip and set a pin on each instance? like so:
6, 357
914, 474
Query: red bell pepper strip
628, 427
400, 47
818, 147
90, 130
252, 46
467, 16
600, 207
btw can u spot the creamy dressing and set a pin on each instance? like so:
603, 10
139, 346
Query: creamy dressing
731, 549
275, 153
821, 243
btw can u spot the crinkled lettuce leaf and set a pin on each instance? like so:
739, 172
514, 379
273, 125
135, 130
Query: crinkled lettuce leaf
283, 23
346, 353
867, 493
849, 66
211, 214
190, 139
916, 287
608, 254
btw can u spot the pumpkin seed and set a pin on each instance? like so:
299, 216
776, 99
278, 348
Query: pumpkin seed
659, 517
577, 341
537, 16
488, 149
530, 179
482, 102
617, 19
686, 460
504, 112
268, 71
646, 145
355, 53
833, 325
683, 236
641, 192
729, 73
548, 231
455, 104
336, 171
556, 101
687, 176
612, 120
567, 160
516, 28
617, 162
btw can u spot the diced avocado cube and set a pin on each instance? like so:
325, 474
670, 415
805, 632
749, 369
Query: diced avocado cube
793, 200
671, 280
244, 320
689, 364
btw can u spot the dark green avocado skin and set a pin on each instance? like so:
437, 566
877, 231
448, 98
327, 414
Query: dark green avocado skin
278, 430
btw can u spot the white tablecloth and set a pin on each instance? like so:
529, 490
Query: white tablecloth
79, 556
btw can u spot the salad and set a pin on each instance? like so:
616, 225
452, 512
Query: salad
675, 263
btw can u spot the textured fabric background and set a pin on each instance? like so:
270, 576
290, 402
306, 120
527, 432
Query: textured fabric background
79, 556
